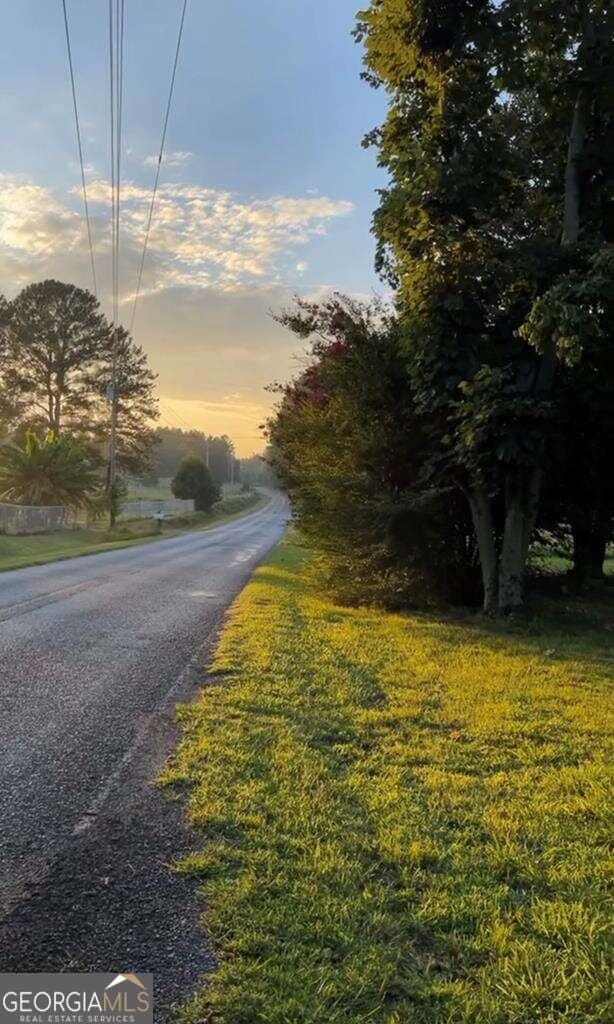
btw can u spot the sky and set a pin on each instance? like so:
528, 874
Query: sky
265, 191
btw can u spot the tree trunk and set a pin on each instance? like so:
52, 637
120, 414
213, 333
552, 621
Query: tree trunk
533, 491
511, 569
521, 505
597, 557
481, 513
57, 413
575, 150
590, 537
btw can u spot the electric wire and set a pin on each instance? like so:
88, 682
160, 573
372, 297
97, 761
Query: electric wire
79, 147
158, 167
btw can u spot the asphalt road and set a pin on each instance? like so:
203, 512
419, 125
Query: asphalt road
94, 654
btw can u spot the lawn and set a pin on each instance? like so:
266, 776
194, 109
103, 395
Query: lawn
403, 817
39, 548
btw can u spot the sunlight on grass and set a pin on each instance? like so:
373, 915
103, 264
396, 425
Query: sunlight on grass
403, 816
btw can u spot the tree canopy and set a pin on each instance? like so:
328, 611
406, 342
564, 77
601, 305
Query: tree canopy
193, 480
56, 368
495, 231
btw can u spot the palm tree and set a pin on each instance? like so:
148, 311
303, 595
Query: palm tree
52, 471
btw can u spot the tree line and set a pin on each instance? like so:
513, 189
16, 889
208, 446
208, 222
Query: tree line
430, 441
173, 444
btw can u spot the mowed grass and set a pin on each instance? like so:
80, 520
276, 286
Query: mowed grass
39, 548
404, 817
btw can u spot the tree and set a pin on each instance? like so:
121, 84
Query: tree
194, 481
350, 448
257, 470
137, 405
57, 355
499, 178
579, 489
55, 335
52, 471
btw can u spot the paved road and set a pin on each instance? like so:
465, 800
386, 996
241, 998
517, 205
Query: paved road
94, 653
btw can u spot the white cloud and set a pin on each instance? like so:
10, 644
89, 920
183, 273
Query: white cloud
217, 265
200, 237
176, 158
33, 222
203, 236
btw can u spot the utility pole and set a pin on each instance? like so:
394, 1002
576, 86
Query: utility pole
112, 470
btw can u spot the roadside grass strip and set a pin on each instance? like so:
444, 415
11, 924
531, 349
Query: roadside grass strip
404, 817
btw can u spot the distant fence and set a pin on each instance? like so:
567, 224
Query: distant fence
16, 519
150, 507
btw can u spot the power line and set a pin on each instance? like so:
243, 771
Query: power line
79, 146
157, 176
176, 415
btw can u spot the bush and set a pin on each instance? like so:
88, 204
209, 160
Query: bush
356, 459
194, 481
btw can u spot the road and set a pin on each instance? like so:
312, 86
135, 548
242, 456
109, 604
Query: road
94, 653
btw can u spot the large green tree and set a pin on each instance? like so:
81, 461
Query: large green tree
56, 366
500, 180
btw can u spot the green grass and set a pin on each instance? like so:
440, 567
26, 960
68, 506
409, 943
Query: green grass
154, 492
403, 816
162, 491
553, 560
37, 549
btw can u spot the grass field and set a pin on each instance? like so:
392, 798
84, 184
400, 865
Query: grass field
403, 816
39, 548
153, 492
162, 490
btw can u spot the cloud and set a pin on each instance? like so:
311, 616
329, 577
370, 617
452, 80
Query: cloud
200, 237
217, 265
203, 236
33, 222
173, 159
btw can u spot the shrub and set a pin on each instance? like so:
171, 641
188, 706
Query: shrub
194, 481
54, 470
356, 459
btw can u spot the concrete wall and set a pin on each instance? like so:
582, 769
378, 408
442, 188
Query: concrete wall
15, 519
148, 507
